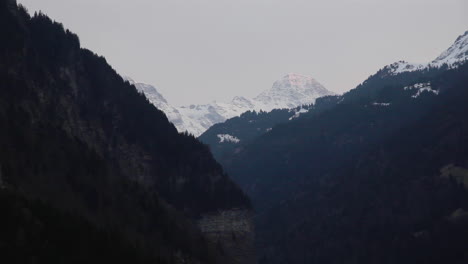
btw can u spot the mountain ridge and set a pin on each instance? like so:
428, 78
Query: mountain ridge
102, 159
362, 181
455, 55
290, 91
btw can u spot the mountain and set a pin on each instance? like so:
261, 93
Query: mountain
291, 91
158, 100
454, 56
378, 176
231, 136
92, 172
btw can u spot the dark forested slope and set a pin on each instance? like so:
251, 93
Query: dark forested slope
377, 178
251, 125
77, 137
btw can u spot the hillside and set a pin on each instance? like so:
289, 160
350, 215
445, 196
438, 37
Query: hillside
250, 125
376, 178
84, 142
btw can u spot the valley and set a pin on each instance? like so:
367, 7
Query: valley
96, 167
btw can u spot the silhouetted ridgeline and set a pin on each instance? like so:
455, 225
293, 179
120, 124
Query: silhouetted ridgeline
77, 137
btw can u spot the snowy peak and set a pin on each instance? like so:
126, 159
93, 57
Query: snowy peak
291, 91
298, 82
242, 102
452, 57
149, 91
404, 66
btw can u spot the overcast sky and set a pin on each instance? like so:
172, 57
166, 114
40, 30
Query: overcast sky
196, 51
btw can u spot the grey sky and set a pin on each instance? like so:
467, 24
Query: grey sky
197, 51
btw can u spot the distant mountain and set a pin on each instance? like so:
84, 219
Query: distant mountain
291, 91
379, 176
158, 100
251, 125
92, 172
245, 128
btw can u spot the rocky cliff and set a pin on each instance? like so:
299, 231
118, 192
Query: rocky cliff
233, 233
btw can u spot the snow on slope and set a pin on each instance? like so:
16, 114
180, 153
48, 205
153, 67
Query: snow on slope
421, 88
228, 138
160, 102
455, 55
297, 114
291, 91
452, 57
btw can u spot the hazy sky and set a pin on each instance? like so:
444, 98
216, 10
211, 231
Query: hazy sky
197, 51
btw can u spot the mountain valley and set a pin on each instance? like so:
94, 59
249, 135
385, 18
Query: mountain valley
96, 167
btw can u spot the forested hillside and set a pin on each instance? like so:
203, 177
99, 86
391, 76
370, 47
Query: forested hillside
244, 129
87, 145
377, 178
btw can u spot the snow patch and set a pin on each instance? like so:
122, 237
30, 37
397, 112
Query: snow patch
404, 66
299, 113
421, 88
227, 138
341, 100
381, 104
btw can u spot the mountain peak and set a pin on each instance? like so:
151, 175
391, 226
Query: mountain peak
291, 91
150, 91
295, 80
455, 55
293, 76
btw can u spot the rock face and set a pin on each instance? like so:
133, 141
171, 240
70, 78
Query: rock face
232, 231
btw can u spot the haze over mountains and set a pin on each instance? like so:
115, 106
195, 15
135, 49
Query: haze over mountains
291, 91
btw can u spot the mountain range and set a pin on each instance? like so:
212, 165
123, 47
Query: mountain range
291, 91
251, 125
93, 168
376, 175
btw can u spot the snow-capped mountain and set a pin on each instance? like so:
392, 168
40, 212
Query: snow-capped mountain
159, 101
289, 92
452, 57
